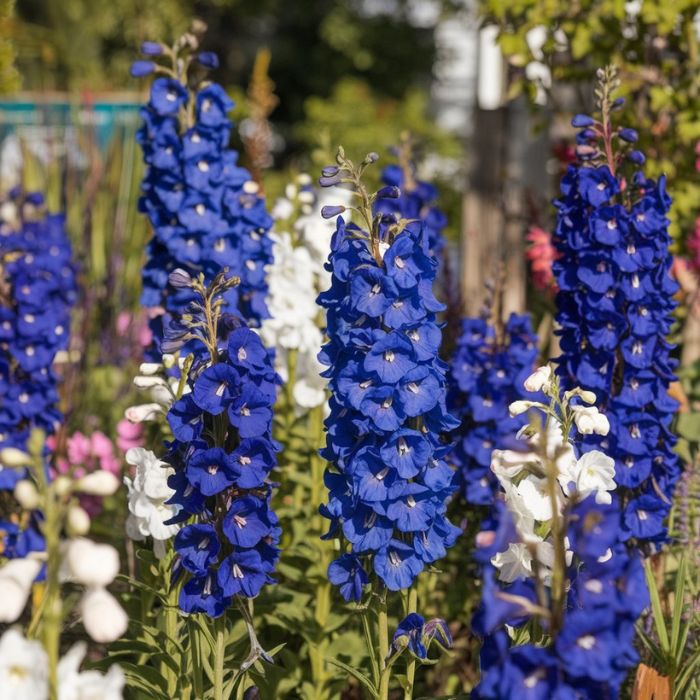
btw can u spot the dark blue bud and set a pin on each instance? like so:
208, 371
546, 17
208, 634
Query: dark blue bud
141, 68
180, 279
618, 103
329, 181
582, 120
151, 48
371, 157
328, 212
629, 135
637, 157
389, 192
330, 171
208, 59
34, 198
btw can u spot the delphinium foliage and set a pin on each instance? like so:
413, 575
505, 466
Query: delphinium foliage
416, 203
562, 593
614, 310
37, 291
388, 482
205, 211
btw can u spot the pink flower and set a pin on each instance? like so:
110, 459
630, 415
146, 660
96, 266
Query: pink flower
129, 435
541, 253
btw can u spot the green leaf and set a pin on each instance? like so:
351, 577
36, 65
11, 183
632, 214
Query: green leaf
366, 682
657, 612
688, 426
679, 594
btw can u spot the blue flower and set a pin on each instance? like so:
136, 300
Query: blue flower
198, 547
347, 573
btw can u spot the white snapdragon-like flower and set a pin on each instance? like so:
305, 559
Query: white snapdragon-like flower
148, 493
24, 668
593, 472
589, 420
539, 379
88, 685
16, 579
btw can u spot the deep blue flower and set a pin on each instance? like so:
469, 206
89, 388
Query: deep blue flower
242, 572
347, 573
198, 547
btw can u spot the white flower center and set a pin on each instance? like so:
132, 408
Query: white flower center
586, 642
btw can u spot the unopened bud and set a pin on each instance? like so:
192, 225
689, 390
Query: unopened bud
518, 407
99, 483
62, 485
587, 396
78, 521
27, 495
149, 368
147, 382
13, 458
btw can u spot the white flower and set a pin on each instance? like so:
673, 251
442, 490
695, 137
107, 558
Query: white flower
148, 492
88, 685
145, 381
590, 420
16, 579
514, 563
535, 498
103, 618
143, 412
13, 458
98, 483
507, 464
594, 472
24, 668
150, 368
538, 379
92, 564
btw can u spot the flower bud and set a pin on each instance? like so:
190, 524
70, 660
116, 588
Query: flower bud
27, 495
330, 171
328, 212
77, 522
518, 407
180, 279
146, 382
587, 396
169, 361
582, 120
389, 192
629, 135
13, 458
208, 59
151, 48
637, 157
149, 368
140, 69
538, 379
104, 619
98, 483
92, 564
62, 485
143, 412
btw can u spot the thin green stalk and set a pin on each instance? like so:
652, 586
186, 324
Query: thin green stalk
383, 621
367, 628
195, 657
219, 657
411, 605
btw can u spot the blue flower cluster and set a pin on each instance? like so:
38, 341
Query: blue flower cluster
222, 454
205, 211
486, 376
593, 650
614, 312
389, 481
37, 291
416, 203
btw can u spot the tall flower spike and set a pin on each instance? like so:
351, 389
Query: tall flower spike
491, 362
387, 480
614, 310
411, 199
37, 291
205, 210
222, 456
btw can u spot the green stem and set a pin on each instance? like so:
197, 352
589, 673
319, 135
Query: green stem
195, 656
366, 626
383, 650
411, 605
219, 654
